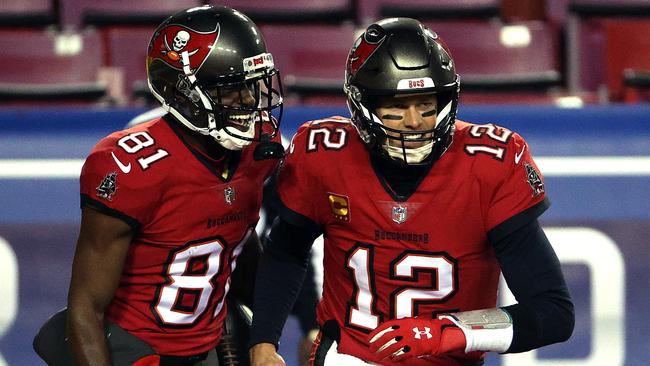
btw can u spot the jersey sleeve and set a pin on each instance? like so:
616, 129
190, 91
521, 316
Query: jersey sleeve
518, 195
113, 183
297, 184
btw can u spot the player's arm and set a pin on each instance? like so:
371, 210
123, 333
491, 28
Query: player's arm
305, 311
243, 277
99, 258
543, 315
279, 279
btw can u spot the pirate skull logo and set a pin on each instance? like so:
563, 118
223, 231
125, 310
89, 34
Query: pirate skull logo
180, 40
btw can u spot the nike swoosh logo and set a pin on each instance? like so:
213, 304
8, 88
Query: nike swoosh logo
517, 156
124, 168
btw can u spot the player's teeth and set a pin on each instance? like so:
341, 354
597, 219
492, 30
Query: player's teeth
412, 137
240, 116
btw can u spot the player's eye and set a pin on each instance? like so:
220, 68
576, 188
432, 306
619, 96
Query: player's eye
397, 106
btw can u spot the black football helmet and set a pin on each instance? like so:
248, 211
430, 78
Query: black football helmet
199, 58
400, 56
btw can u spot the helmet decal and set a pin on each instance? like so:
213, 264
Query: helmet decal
364, 47
415, 83
262, 61
174, 39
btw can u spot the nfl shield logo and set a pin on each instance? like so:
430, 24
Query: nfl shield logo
229, 194
399, 214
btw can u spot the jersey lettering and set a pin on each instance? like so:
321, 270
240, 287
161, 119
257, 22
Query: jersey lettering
495, 151
134, 142
362, 313
495, 133
360, 310
331, 139
408, 267
189, 285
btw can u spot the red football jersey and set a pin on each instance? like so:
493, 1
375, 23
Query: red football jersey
429, 254
189, 223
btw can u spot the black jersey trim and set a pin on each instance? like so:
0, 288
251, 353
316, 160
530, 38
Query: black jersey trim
321, 350
233, 157
379, 167
517, 221
87, 201
273, 200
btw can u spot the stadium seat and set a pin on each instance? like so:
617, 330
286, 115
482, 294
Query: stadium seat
627, 51
523, 10
371, 10
492, 57
293, 11
311, 59
609, 8
586, 64
26, 13
126, 49
80, 13
636, 86
47, 67
557, 12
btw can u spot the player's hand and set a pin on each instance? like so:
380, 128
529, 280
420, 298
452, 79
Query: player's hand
264, 354
407, 338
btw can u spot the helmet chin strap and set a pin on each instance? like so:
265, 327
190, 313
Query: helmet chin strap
412, 155
230, 142
223, 138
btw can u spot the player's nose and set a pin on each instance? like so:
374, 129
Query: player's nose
246, 97
412, 118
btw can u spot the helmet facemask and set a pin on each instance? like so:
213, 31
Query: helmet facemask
235, 110
393, 143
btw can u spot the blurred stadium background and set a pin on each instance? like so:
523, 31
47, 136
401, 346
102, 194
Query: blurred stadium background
571, 76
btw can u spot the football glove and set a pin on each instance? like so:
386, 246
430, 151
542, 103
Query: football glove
407, 338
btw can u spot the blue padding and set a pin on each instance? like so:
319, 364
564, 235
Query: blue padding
574, 198
599, 131
590, 120
59, 120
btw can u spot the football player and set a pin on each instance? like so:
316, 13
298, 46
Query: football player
421, 212
169, 205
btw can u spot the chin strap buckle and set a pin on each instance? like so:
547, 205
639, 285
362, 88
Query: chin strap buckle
267, 149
